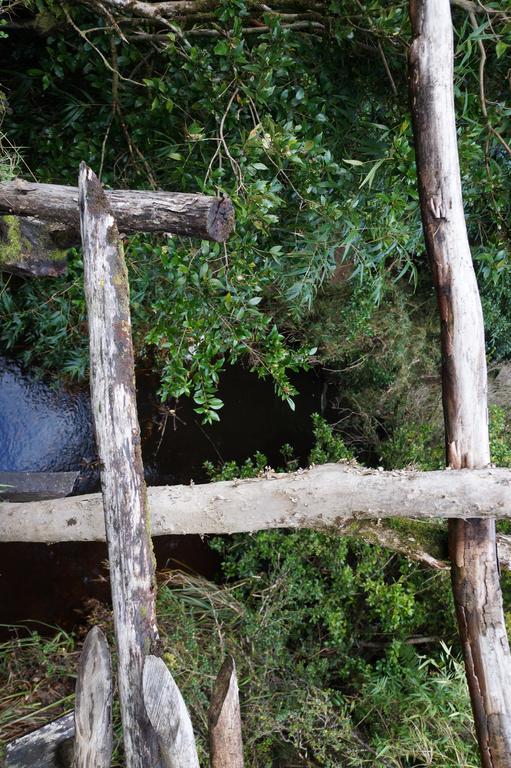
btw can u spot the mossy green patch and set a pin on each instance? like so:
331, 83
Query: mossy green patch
17, 248
10, 239
430, 536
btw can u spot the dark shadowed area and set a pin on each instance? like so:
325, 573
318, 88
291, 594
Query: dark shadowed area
48, 429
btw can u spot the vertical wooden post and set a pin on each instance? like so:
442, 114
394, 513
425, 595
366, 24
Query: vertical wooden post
93, 705
475, 575
122, 478
169, 716
224, 720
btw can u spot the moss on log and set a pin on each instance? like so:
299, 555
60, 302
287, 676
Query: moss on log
31, 247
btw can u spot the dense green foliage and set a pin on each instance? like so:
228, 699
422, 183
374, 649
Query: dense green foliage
338, 642
349, 619
340, 647
314, 148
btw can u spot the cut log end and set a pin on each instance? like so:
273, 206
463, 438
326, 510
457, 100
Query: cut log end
179, 213
221, 220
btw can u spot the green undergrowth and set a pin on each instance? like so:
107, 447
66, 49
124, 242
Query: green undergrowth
346, 651
404, 710
362, 625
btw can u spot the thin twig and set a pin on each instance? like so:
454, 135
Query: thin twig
387, 68
95, 48
482, 93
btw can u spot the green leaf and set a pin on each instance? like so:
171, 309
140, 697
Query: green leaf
221, 48
372, 173
501, 48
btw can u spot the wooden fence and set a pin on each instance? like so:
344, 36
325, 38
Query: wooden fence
156, 727
157, 731
84, 738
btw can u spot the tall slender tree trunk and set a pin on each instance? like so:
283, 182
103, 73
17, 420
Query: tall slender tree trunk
475, 574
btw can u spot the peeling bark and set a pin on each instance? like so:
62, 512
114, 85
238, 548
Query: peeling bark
331, 497
473, 551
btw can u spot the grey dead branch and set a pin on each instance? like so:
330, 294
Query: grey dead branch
49, 747
114, 411
193, 215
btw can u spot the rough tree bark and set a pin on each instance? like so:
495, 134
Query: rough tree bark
209, 218
329, 497
93, 704
475, 574
122, 475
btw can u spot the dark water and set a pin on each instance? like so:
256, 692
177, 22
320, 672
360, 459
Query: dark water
43, 428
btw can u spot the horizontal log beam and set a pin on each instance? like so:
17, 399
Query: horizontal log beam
324, 498
193, 215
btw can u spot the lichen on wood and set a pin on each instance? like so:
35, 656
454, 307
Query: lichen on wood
28, 247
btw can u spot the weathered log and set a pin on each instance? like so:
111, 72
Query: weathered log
34, 248
326, 497
93, 704
473, 551
208, 218
114, 410
224, 720
169, 716
48, 747
35, 486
